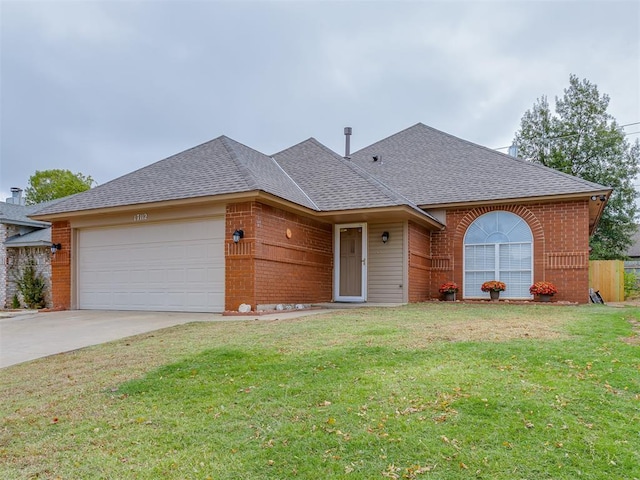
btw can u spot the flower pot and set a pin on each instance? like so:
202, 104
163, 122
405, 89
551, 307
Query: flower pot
545, 298
495, 295
450, 297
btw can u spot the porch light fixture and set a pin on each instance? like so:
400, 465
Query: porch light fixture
385, 237
602, 198
55, 247
237, 235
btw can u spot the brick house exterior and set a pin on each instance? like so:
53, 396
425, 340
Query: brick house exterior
23, 241
386, 224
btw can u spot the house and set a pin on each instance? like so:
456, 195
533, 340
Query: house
632, 264
222, 224
22, 240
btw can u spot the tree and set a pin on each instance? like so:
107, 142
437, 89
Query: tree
51, 184
583, 140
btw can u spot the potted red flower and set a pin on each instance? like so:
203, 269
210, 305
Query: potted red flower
545, 290
449, 289
494, 287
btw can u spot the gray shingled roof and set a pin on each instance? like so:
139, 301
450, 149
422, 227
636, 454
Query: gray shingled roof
431, 167
37, 238
419, 166
332, 182
220, 166
19, 214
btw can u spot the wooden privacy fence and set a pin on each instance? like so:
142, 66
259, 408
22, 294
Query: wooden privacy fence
607, 276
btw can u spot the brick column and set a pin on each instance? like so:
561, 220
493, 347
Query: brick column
61, 266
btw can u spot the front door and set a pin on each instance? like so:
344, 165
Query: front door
351, 264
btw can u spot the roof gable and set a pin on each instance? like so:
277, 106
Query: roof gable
332, 182
220, 166
431, 167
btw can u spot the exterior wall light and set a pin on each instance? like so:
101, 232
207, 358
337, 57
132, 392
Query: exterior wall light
237, 235
385, 237
55, 247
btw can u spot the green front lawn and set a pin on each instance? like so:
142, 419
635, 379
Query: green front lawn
434, 391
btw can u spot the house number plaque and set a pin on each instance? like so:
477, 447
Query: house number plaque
140, 217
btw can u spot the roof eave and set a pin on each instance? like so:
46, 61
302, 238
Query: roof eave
395, 212
136, 207
24, 223
511, 200
38, 243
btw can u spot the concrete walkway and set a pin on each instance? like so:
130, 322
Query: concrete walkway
29, 335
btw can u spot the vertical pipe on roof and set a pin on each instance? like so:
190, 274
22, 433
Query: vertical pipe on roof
347, 145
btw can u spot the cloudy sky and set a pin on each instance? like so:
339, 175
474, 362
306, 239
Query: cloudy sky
106, 87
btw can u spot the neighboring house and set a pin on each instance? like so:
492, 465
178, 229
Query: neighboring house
22, 240
389, 223
632, 264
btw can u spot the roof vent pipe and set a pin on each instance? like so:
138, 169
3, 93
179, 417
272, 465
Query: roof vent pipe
347, 142
16, 196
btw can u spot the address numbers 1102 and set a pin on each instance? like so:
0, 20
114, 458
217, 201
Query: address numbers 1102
140, 217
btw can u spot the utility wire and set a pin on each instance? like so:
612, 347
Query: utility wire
576, 134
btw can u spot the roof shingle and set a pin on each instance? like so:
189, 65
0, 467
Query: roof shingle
220, 166
417, 166
431, 167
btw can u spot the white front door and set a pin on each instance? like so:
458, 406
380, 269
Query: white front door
350, 274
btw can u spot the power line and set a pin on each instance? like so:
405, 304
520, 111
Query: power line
576, 134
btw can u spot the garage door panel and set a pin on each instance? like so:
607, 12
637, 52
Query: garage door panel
177, 266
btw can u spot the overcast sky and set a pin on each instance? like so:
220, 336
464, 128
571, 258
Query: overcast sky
106, 87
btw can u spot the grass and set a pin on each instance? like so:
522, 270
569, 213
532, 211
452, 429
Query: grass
434, 391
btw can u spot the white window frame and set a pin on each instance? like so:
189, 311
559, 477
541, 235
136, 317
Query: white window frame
480, 295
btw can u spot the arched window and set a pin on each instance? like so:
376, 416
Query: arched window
498, 246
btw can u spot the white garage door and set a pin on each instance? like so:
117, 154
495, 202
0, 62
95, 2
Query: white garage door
177, 266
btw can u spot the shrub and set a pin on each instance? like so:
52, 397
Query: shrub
31, 286
543, 288
493, 286
15, 302
631, 288
449, 287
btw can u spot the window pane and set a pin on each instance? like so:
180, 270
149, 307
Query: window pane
518, 284
480, 257
474, 280
520, 232
505, 221
515, 256
475, 234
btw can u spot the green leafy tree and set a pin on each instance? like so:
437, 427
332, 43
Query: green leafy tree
48, 185
583, 140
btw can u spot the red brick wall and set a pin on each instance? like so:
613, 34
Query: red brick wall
561, 245
61, 266
419, 263
240, 257
272, 268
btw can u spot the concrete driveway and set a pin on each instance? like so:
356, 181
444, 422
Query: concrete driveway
26, 336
